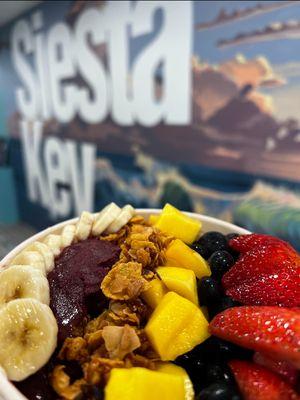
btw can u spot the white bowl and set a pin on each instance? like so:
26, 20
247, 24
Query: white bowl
7, 389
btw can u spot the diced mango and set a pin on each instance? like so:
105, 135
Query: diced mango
153, 219
168, 209
143, 384
179, 225
154, 294
176, 326
181, 281
178, 254
173, 369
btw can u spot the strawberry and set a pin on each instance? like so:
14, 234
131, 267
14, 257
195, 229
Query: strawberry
284, 369
282, 289
267, 259
257, 383
271, 330
244, 243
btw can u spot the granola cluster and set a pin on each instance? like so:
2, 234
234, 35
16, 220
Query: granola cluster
116, 337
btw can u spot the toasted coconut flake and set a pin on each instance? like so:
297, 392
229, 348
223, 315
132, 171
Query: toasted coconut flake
120, 341
61, 384
124, 281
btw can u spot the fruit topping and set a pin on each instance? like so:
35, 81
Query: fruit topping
28, 337
175, 223
258, 383
283, 368
244, 243
144, 384
174, 333
104, 218
178, 254
45, 252
211, 242
68, 235
209, 291
155, 292
172, 369
281, 288
23, 281
219, 391
125, 216
267, 259
271, 330
84, 225
268, 273
32, 258
220, 262
54, 242
218, 372
222, 304
180, 280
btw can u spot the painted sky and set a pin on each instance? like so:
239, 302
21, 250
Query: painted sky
283, 54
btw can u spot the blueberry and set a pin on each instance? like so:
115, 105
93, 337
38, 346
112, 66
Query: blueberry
211, 242
193, 365
218, 391
220, 262
223, 303
209, 290
217, 372
226, 350
199, 249
185, 360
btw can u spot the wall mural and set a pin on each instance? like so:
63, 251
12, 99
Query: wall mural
195, 103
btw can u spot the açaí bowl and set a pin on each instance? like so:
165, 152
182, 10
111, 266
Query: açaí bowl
7, 389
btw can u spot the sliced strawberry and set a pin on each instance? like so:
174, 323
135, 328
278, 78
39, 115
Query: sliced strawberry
281, 289
271, 330
283, 368
244, 243
265, 260
257, 383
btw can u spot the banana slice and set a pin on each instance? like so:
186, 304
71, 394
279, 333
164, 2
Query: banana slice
68, 235
125, 215
32, 258
84, 225
45, 251
28, 337
23, 281
105, 218
54, 242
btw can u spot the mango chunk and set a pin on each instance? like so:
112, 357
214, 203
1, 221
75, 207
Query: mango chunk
175, 223
176, 327
154, 294
181, 281
153, 219
178, 254
169, 368
143, 384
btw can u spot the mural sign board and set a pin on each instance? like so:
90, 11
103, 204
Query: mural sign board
147, 102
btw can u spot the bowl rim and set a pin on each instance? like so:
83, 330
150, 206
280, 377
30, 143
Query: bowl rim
7, 389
